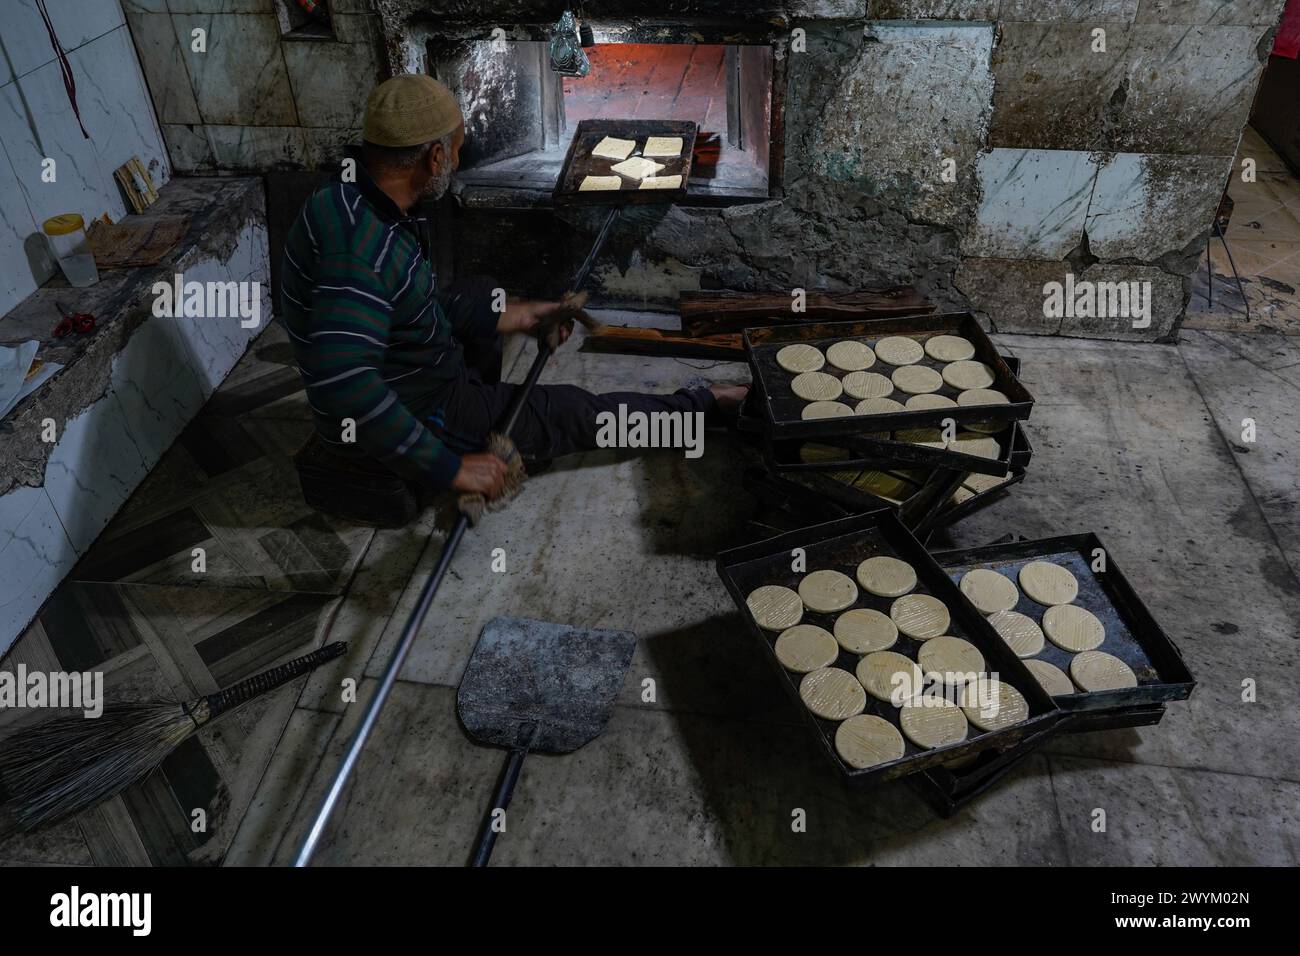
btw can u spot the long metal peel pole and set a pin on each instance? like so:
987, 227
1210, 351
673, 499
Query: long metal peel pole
430, 589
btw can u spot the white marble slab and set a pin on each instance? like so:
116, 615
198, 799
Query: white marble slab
16, 228
160, 57
35, 554
1034, 203
93, 468
156, 385
238, 45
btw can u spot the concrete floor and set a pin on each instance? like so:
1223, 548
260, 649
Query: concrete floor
1140, 443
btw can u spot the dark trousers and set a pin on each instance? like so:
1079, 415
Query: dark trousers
556, 420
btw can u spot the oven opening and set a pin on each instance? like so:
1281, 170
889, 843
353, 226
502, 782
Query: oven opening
520, 115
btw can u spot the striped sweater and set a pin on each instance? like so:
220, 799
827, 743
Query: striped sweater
371, 338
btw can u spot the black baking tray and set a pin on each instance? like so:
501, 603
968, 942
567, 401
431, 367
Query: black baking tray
781, 408
1132, 634
842, 545
949, 789
817, 497
579, 163
879, 452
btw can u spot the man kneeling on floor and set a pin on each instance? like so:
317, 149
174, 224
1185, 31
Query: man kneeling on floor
412, 374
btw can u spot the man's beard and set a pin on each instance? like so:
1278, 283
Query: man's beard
437, 185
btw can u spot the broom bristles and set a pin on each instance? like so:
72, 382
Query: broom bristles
69, 764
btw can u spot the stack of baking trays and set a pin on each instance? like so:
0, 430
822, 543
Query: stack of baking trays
947, 668
917, 414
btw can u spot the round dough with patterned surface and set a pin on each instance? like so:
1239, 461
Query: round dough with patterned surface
816, 410
1050, 677
863, 630
989, 591
955, 660
916, 379
800, 358
931, 722
816, 386
774, 607
920, 616
865, 741
884, 576
827, 591
899, 350
832, 693
949, 348
1072, 628
968, 375
1020, 632
1048, 583
1097, 670
889, 676
994, 704
806, 647
851, 356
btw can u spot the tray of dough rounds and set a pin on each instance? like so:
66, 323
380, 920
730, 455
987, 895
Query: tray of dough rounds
872, 377
1071, 615
816, 497
891, 668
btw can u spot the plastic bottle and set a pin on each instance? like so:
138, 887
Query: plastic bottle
66, 235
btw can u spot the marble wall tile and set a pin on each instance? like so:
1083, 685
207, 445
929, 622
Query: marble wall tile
117, 110
1085, 11
1034, 203
243, 46
1144, 206
188, 148
1166, 297
256, 148
26, 41
1264, 13
37, 122
933, 9
16, 229
35, 554
215, 343
931, 86
164, 67
331, 81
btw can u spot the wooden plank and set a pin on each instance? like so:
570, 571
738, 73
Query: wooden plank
629, 340
711, 313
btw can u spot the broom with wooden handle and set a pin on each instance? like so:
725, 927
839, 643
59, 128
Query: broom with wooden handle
69, 764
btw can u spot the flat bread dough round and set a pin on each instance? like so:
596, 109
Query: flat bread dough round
806, 647
982, 396
967, 444
1020, 632
832, 693
920, 616
989, 591
968, 375
816, 387
862, 385
986, 428
1050, 677
931, 722
1048, 583
815, 410
955, 660
865, 741
916, 379
888, 577
1072, 628
878, 406
774, 607
899, 350
949, 348
851, 356
929, 402
800, 358
1097, 670
993, 704
890, 677
863, 630
827, 591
